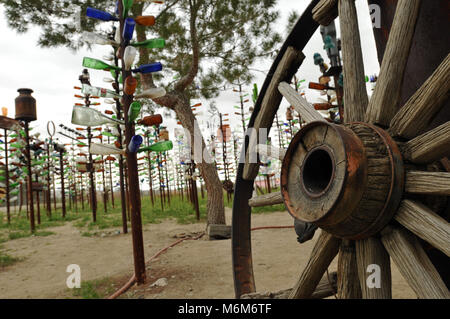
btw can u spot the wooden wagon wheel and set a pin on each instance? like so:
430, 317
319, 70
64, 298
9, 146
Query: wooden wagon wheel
359, 181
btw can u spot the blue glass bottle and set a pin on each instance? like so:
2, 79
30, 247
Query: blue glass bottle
128, 29
100, 15
149, 68
135, 143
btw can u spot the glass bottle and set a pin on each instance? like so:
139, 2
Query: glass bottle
100, 15
158, 147
101, 92
147, 21
128, 29
135, 143
151, 120
130, 85
133, 111
128, 56
127, 4
151, 44
149, 68
98, 65
105, 149
95, 38
89, 117
152, 93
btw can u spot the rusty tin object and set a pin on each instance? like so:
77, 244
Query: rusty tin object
25, 106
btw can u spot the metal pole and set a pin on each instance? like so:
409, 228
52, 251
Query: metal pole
63, 194
30, 180
133, 179
8, 213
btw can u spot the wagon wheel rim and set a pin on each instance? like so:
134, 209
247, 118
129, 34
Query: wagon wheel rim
397, 234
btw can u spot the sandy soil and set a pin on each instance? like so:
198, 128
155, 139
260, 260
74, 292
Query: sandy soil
194, 269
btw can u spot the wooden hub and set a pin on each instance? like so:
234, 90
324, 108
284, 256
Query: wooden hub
348, 180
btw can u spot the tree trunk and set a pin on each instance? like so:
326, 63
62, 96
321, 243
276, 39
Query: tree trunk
215, 207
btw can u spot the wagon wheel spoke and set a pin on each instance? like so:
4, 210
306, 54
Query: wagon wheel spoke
370, 252
415, 116
325, 11
429, 147
285, 71
266, 200
384, 102
414, 264
348, 284
355, 94
428, 183
324, 251
425, 224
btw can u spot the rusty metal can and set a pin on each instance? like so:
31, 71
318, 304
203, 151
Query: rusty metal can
25, 106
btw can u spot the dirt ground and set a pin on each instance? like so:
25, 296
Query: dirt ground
194, 269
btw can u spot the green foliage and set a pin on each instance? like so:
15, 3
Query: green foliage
227, 36
94, 289
6, 260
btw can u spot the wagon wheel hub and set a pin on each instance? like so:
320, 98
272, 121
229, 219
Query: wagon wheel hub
348, 180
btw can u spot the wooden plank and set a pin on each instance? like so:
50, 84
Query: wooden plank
348, 283
303, 108
324, 251
414, 264
271, 151
428, 183
370, 252
325, 11
327, 287
384, 102
429, 147
426, 224
415, 116
266, 200
355, 92
286, 69
8, 123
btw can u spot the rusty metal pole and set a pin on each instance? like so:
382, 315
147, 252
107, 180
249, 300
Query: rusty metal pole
150, 177
133, 177
167, 177
8, 213
111, 180
38, 204
63, 195
49, 200
30, 179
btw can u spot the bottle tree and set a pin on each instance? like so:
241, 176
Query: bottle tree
207, 42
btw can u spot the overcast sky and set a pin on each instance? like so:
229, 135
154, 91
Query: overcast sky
52, 73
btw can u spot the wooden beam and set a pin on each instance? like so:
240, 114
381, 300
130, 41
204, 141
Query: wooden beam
325, 11
426, 224
355, 92
8, 123
266, 200
384, 102
305, 109
415, 116
324, 251
286, 69
348, 283
414, 264
428, 183
327, 287
271, 151
369, 252
429, 147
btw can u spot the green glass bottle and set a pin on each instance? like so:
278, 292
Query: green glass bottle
127, 4
97, 64
151, 44
159, 147
133, 111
